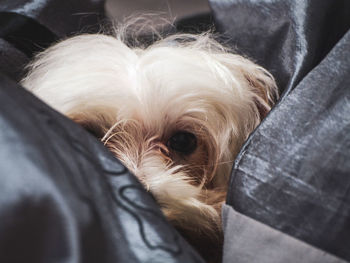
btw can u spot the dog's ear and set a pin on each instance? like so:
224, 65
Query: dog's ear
259, 83
263, 85
251, 79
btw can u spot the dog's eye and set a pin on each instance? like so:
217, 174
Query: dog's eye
183, 142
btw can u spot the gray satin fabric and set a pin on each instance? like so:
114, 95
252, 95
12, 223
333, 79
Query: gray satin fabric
12, 61
289, 38
294, 172
249, 241
61, 17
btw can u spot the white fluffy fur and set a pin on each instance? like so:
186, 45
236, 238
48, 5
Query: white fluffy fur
139, 97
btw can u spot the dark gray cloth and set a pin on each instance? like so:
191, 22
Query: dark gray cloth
289, 38
293, 173
61, 17
249, 241
12, 60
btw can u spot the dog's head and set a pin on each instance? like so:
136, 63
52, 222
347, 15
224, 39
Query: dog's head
175, 113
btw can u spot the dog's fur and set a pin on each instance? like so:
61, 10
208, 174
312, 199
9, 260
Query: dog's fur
136, 99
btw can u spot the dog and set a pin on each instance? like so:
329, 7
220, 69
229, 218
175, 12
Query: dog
175, 113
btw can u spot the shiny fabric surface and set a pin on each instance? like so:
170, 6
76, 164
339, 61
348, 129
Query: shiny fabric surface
293, 173
30, 26
12, 60
25, 34
289, 38
65, 198
61, 17
251, 241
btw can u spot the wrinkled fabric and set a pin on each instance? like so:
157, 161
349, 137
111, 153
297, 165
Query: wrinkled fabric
293, 173
289, 38
21, 37
61, 17
25, 33
12, 60
251, 241
30, 26
65, 198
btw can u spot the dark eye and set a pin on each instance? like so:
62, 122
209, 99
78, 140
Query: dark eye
183, 142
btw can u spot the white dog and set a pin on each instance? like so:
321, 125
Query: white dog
175, 113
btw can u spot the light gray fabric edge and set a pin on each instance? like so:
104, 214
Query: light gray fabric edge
247, 241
